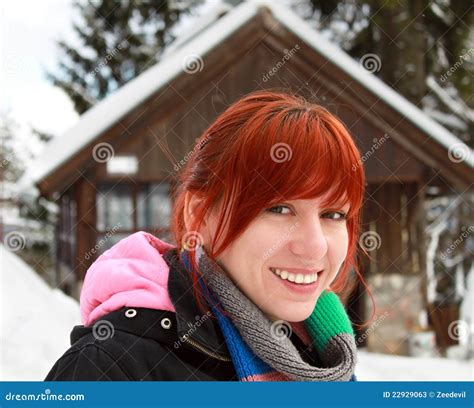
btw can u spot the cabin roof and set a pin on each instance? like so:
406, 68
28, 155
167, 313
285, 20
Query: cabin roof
206, 36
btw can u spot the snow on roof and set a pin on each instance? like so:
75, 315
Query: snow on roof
199, 25
113, 108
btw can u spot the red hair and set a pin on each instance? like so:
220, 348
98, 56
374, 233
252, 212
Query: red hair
266, 148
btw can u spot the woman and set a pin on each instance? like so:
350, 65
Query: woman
267, 219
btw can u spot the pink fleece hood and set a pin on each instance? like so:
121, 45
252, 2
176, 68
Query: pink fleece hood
132, 273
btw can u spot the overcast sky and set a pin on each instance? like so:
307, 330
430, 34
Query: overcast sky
28, 33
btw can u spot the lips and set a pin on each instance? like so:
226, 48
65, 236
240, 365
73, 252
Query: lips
296, 276
303, 285
298, 270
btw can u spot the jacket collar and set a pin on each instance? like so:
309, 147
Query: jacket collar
191, 322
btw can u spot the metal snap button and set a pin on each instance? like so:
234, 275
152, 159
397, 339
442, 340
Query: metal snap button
130, 313
166, 323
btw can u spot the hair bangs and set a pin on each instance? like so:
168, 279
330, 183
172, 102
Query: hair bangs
300, 154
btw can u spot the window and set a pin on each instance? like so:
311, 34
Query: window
115, 207
154, 206
108, 240
124, 208
122, 165
67, 231
66, 242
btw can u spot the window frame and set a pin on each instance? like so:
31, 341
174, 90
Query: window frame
135, 188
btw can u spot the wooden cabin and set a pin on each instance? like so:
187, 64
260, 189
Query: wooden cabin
111, 174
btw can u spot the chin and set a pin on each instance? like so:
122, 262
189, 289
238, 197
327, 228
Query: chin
293, 313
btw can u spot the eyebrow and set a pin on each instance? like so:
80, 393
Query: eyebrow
339, 203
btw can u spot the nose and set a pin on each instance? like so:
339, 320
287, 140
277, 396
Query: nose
309, 241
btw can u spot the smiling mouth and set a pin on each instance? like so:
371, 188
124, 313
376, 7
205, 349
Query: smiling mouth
298, 278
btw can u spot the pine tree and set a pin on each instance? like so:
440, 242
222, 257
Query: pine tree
11, 166
118, 40
417, 43
14, 156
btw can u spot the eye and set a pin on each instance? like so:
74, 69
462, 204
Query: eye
336, 215
279, 209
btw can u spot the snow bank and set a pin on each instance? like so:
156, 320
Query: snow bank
382, 367
35, 321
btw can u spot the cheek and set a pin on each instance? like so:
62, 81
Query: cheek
338, 245
245, 259
342, 244
255, 243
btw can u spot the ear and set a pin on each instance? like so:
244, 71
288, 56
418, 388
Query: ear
191, 203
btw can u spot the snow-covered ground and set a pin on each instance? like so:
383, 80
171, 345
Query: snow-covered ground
36, 321
383, 367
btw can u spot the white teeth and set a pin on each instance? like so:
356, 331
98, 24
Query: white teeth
296, 278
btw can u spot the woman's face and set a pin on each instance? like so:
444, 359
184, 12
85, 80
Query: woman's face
298, 240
